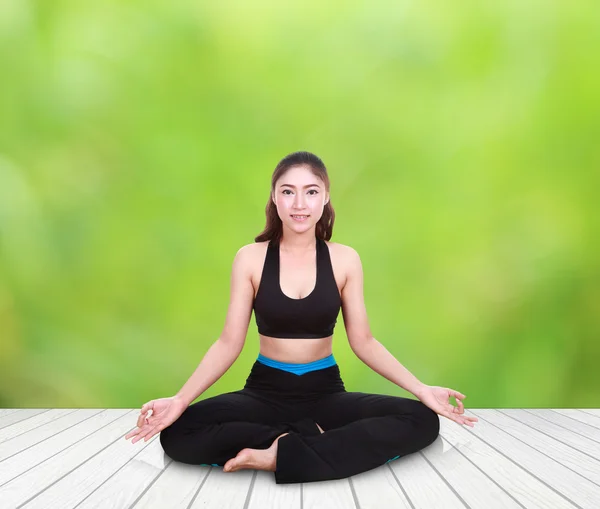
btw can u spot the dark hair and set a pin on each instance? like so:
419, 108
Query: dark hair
274, 228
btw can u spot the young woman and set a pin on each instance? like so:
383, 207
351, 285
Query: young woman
294, 416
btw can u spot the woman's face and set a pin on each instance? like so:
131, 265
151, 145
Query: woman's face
299, 192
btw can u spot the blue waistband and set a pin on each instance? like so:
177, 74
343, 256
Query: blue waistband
298, 368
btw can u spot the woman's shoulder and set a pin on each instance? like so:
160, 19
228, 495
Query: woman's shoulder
251, 257
255, 245
251, 251
342, 249
342, 254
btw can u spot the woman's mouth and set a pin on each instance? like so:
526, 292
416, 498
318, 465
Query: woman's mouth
299, 218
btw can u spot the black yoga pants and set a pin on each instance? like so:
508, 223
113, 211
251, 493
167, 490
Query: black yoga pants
362, 430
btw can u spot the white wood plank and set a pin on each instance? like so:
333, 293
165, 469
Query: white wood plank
490, 457
224, 490
422, 484
36, 438
580, 416
126, 484
541, 455
266, 493
566, 422
47, 459
18, 428
333, 494
377, 488
571, 438
175, 488
20, 415
474, 487
592, 411
37, 468
91, 472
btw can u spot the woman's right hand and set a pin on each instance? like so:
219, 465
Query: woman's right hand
165, 411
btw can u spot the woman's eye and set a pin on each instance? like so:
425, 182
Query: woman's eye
312, 190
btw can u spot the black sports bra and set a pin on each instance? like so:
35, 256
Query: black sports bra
280, 316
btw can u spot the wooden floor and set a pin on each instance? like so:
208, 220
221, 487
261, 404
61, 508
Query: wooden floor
64, 458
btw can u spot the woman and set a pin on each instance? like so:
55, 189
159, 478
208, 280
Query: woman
294, 416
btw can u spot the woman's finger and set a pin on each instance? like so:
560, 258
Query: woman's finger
449, 415
143, 413
132, 433
459, 419
461, 407
463, 421
138, 430
157, 429
146, 433
469, 421
457, 394
137, 438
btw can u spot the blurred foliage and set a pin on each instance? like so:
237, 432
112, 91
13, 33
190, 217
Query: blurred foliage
137, 142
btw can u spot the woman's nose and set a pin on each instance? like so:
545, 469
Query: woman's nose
299, 203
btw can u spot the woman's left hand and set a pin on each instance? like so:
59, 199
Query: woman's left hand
438, 399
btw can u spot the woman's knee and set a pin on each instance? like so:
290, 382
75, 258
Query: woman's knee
172, 442
195, 448
429, 421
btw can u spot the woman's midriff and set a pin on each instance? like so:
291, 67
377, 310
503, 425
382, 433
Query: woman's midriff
296, 351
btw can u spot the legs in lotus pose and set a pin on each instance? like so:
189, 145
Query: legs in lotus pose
303, 427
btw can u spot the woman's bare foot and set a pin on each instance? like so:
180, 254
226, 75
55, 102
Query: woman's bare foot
258, 459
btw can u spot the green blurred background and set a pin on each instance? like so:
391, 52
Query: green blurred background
137, 142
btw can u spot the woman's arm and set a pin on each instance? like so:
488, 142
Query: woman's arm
214, 364
223, 352
379, 359
362, 342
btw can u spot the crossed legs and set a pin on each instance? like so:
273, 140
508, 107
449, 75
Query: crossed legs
242, 430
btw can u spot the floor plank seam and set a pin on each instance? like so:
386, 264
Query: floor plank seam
576, 420
400, 485
484, 473
114, 473
353, 491
463, 501
48, 438
526, 470
58, 452
540, 451
200, 487
33, 429
72, 470
145, 490
583, 410
562, 426
552, 437
249, 493
23, 420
